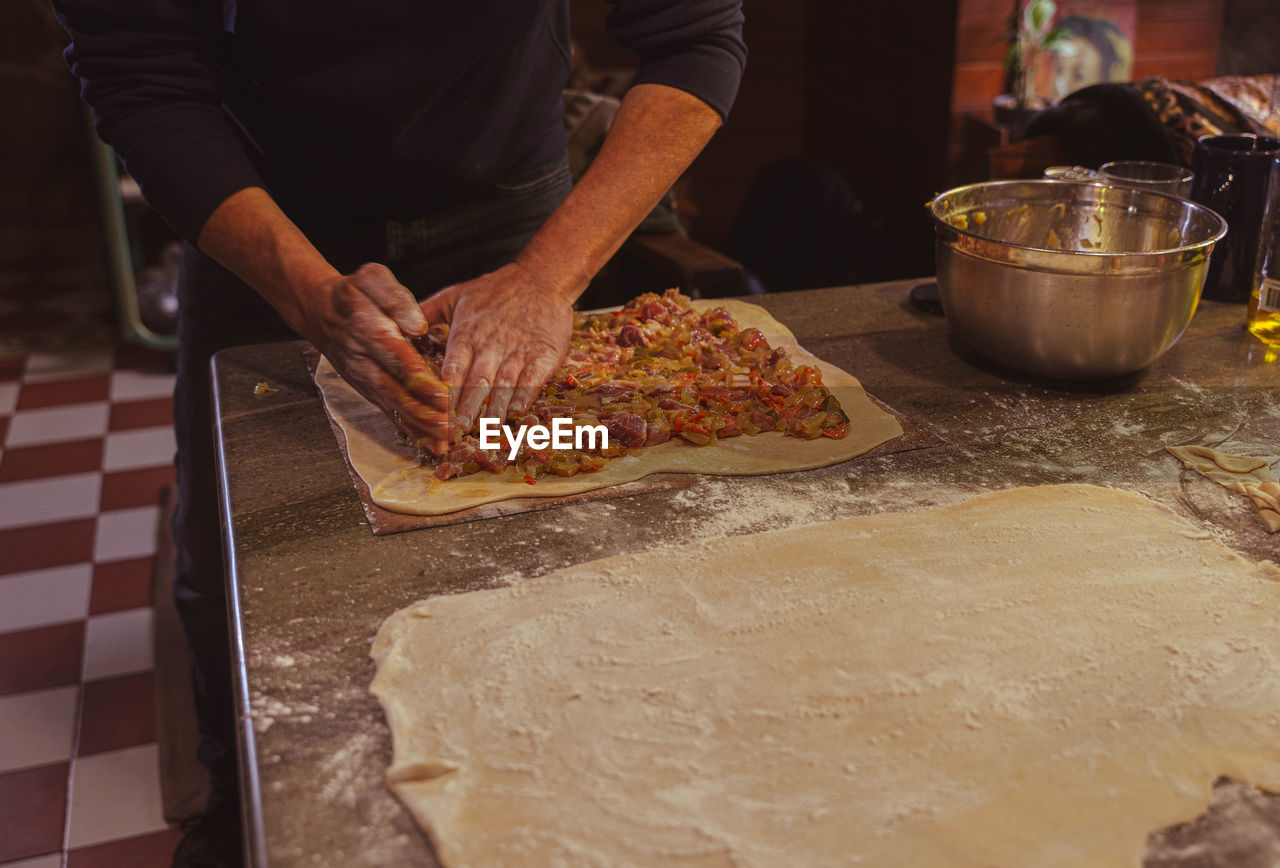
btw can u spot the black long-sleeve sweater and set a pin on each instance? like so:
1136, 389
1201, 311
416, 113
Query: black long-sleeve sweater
363, 109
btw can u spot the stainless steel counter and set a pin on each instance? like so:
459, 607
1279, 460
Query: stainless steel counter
312, 584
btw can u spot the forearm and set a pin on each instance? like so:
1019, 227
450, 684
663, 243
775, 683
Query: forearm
249, 235
656, 135
359, 320
148, 71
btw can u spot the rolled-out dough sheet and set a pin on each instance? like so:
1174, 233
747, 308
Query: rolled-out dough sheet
398, 484
1040, 676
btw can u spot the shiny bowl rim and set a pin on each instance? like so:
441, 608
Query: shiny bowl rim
1185, 175
940, 223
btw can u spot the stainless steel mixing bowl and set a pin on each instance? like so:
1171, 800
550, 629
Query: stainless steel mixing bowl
1070, 280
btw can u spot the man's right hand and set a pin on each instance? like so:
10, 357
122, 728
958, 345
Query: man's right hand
360, 322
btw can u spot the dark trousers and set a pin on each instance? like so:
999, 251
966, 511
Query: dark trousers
218, 311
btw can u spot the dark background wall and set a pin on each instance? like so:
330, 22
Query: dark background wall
861, 87
1250, 37
768, 118
46, 201
879, 83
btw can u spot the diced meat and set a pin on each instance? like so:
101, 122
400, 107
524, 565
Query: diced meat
730, 428
654, 310
710, 360
491, 459
447, 470
613, 390
763, 421
717, 394
468, 450
464, 451
432, 344
627, 429
631, 336
657, 432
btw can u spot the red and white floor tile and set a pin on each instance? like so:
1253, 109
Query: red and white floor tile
86, 448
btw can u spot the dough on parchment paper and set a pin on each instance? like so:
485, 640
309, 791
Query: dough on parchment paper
398, 484
1040, 676
1245, 474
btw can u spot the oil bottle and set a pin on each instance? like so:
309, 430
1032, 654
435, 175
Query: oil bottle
1264, 311
1263, 317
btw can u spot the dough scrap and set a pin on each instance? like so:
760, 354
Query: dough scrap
1040, 676
398, 484
1249, 475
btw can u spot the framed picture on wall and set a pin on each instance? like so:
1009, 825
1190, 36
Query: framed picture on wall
1096, 47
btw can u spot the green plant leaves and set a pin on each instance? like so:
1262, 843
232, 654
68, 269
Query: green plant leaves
1037, 14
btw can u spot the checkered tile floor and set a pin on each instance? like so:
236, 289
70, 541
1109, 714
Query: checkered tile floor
85, 450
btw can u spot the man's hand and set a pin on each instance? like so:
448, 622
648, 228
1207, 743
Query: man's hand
509, 329
507, 335
359, 321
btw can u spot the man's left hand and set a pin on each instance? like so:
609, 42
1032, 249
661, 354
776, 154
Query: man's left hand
508, 332
510, 329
